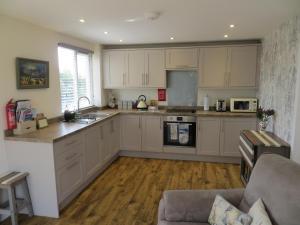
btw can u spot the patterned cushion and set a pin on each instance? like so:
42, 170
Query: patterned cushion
223, 213
259, 214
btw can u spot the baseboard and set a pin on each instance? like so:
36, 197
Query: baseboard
173, 156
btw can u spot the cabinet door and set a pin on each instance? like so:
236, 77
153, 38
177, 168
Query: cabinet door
152, 134
208, 141
231, 129
155, 73
212, 67
243, 66
117, 68
131, 132
70, 178
92, 157
180, 58
115, 140
107, 140
136, 68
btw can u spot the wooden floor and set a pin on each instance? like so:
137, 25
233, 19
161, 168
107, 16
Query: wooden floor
128, 192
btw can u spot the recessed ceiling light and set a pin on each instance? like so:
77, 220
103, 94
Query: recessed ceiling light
171, 38
81, 20
105, 32
121, 40
231, 25
225, 36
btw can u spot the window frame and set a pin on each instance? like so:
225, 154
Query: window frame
89, 53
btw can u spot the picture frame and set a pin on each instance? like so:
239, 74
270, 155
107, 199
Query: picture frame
32, 73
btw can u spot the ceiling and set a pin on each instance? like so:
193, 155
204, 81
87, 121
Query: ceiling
185, 20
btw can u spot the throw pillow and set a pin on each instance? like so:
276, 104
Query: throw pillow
259, 214
223, 213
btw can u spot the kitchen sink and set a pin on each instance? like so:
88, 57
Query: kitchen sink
91, 117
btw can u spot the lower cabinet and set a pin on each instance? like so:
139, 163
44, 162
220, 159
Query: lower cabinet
141, 133
115, 137
110, 134
152, 133
208, 138
131, 132
230, 134
92, 153
220, 136
80, 156
69, 178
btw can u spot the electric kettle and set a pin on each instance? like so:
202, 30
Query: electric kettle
142, 103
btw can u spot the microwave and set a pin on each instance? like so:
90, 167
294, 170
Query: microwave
243, 104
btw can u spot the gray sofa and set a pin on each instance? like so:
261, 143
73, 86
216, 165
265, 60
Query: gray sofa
274, 179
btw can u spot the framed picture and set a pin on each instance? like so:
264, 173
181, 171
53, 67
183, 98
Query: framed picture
32, 74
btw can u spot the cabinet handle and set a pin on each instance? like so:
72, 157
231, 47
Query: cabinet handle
228, 79
143, 79
71, 166
147, 74
71, 156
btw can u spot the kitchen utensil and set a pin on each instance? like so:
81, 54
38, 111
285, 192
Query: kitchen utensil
142, 103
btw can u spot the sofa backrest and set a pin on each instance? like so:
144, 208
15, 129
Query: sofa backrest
277, 181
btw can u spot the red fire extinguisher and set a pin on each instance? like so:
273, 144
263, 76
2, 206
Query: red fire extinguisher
11, 115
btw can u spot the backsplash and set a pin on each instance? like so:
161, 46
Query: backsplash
278, 75
132, 94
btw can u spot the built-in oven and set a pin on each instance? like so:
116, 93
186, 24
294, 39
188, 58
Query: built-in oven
180, 131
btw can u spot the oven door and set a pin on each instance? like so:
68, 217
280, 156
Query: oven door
180, 133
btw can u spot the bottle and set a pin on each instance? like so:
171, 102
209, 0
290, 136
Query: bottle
206, 103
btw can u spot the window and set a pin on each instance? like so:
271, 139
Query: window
75, 77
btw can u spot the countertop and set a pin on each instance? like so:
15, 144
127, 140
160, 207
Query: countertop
58, 130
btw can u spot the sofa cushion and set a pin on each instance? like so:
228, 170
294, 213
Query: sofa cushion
223, 213
259, 214
276, 180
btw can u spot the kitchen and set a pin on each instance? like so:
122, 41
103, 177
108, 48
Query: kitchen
167, 99
181, 130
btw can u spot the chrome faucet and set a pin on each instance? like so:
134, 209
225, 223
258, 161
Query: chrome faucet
79, 102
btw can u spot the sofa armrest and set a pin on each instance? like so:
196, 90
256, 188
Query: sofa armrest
193, 205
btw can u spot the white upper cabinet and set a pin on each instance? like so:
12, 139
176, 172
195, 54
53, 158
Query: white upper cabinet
242, 66
181, 58
115, 68
136, 68
212, 67
228, 67
155, 73
224, 67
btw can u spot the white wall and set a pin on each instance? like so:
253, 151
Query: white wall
21, 39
